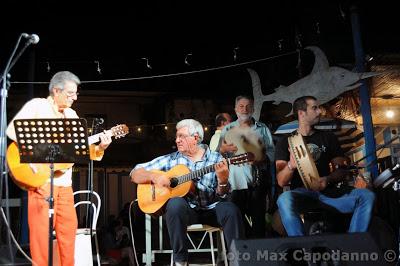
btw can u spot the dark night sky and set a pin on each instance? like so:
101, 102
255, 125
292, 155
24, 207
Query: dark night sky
74, 35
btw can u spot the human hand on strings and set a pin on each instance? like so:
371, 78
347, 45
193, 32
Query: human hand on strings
323, 183
222, 172
105, 141
160, 180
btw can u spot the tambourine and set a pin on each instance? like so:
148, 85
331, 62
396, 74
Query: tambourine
246, 140
304, 160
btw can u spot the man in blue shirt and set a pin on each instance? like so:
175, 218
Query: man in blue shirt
205, 203
250, 182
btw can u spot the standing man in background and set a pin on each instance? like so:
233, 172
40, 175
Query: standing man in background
250, 182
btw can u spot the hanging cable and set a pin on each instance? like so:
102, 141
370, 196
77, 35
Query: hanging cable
169, 75
131, 230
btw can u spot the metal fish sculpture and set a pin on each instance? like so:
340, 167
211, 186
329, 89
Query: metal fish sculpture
324, 83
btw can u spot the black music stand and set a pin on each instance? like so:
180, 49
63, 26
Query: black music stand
52, 141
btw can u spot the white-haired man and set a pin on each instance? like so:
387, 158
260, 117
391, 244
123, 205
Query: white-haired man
203, 205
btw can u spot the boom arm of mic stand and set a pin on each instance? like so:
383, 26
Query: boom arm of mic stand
4, 93
379, 147
11, 62
3, 115
19, 54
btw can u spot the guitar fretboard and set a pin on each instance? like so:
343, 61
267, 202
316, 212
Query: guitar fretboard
195, 174
95, 138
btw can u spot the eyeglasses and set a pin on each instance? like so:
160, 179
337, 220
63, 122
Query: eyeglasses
182, 136
71, 94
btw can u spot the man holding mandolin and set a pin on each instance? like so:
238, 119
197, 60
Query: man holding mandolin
63, 92
315, 185
190, 186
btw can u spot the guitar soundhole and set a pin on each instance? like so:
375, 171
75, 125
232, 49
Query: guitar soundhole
173, 182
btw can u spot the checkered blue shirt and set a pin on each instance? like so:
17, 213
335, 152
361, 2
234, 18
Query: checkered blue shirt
205, 196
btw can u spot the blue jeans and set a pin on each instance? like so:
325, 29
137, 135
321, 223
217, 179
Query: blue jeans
294, 202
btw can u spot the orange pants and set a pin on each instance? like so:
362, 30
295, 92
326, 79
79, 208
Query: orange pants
64, 222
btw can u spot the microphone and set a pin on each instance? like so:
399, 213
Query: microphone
32, 38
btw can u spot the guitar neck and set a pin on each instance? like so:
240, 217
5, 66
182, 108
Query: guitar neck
197, 173
96, 138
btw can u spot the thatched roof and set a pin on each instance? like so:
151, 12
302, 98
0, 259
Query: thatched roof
384, 91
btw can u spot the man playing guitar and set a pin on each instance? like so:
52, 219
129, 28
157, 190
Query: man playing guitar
205, 203
63, 92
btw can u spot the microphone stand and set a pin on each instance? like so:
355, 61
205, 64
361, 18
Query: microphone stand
95, 123
379, 147
3, 126
53, 152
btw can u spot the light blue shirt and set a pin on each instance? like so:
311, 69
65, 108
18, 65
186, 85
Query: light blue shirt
241, 176
205, 196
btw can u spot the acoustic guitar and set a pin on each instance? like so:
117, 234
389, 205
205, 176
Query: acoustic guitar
25, 178
151, 198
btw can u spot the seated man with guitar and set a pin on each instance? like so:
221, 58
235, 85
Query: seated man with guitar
63, 92
321, 184
185, 187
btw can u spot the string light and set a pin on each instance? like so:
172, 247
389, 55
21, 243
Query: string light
235, 53
147, 62
369, 58
187, 59
299, 64
98, 66
342, 14
165, 126
298, 41
280, 44
169, 75
187, 62
318, 30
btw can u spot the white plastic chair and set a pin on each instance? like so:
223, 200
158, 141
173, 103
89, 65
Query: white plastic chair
208, 230
83, 243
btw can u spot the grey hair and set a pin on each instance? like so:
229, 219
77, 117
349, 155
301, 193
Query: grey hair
60, 78
193, 127
240, 97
